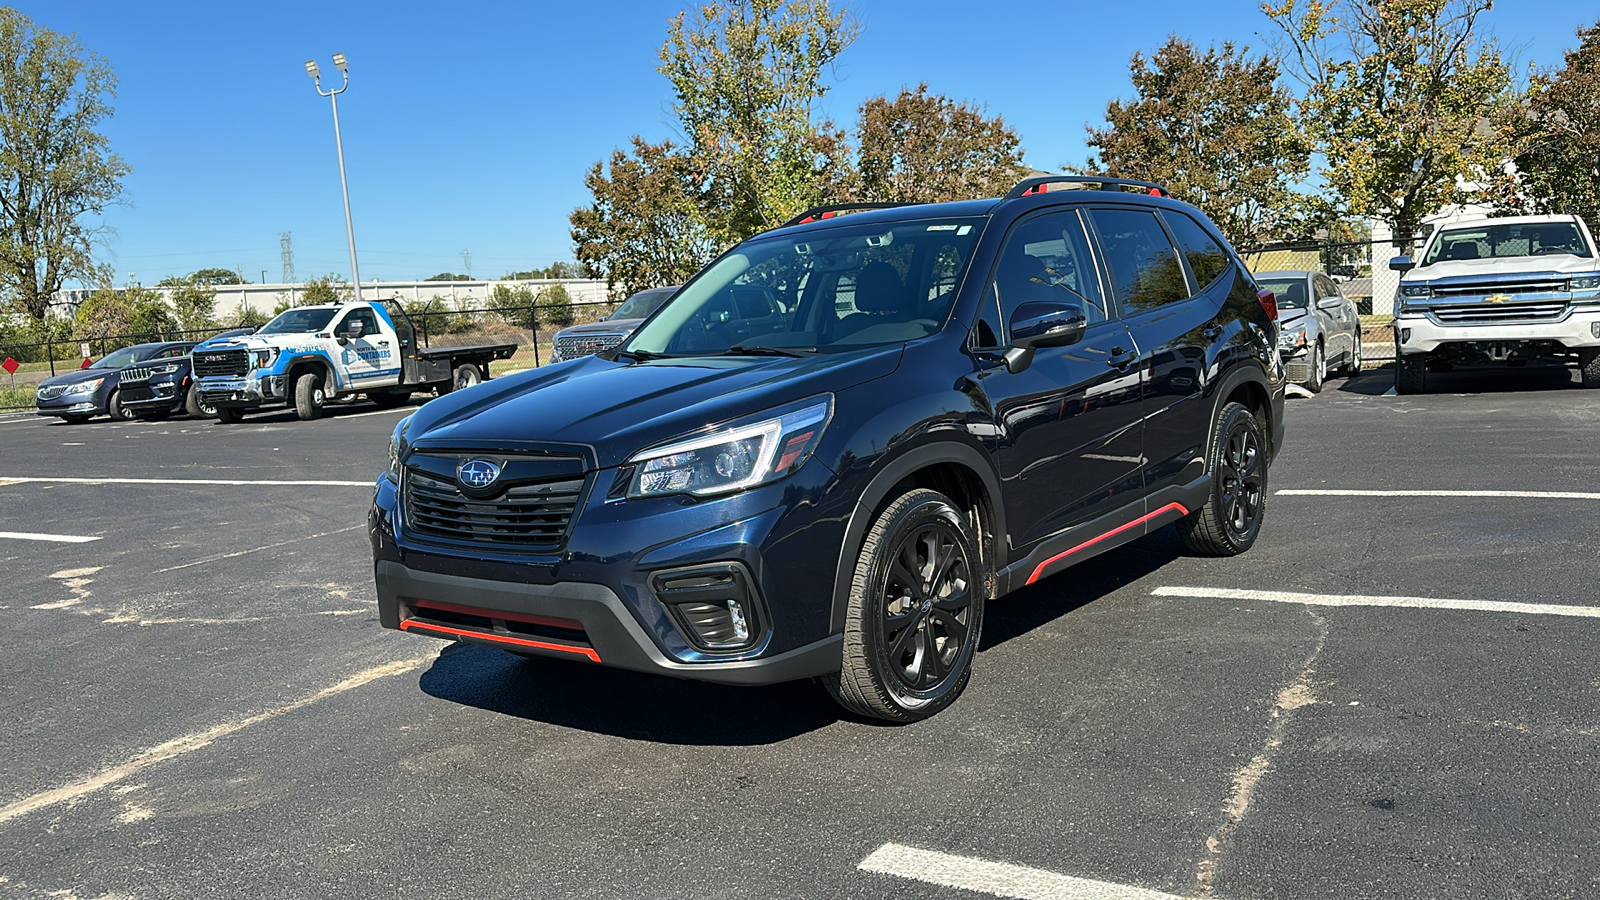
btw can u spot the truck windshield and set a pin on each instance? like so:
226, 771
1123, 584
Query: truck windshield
299, 321
829, 290
1490, 241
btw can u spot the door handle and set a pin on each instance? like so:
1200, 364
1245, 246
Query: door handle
1212, 332
1119, 358
383, 343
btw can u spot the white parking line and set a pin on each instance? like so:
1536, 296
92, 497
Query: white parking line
53, 538
1534, 609
996, 879
19, 479
194, 741
1534, 495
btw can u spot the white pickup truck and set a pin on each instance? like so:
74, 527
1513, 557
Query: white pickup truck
310, 356
1499, 291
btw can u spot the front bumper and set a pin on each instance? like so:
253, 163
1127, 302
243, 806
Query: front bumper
153, 395
606, 596
1417, 333
249, 392
70, 408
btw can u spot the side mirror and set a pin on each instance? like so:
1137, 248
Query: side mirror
1402, 264
1038, 324
355, 329
1332, 301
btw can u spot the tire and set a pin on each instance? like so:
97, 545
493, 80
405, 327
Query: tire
1589, 367
1319, 369
1354, 367
115, 409
1411, 374
917, 583
230, 415
466, 375
309, 397
1231, 519
195, 407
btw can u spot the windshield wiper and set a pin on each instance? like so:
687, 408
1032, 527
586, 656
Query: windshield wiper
636, 355
743, 350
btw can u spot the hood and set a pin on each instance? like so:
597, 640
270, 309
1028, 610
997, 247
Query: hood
80, 375
619, 408
610, 326
1497, 269
1291, 315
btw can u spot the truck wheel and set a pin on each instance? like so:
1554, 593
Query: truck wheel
309, 396
1589, 367
466, 375
115, 409
230, 415
1319, 369
1411, 374
915, 614
1231, 519
197, 408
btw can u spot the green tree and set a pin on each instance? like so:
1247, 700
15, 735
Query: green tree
1555, 136
512, 304
1215, 129
644, 228
557, 269
919, 148
747, 75
447, 276
57, 171
133, 314
1397, 92
193, 301
555, 306
217, 276
327, 289
245, 316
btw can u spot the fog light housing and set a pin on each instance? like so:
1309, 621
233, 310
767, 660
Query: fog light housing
1594, 328
1405, 335
715, 606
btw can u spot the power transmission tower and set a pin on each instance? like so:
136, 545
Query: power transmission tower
466, 260
287, 246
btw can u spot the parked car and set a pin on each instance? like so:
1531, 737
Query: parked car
1319, 327
157, 388
841, 439
1499, 292
95, 390
592, 337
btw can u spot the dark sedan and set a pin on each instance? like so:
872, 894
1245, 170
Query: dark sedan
96, 389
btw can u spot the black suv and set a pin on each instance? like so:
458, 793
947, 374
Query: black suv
841, 439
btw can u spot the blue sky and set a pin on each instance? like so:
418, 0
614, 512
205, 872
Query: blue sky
469, 125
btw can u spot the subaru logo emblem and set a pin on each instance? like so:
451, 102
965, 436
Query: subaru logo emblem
477, 474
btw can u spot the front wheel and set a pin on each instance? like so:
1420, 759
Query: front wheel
115, 409
1589, 367
915, 613
197, 408
1411, 374
1319, 369
309, 396
1231, 519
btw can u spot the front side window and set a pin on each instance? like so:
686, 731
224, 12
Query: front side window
829, 290
369, 322
1490, 241
1143, 262
299, 321
1047, 259
1207, 260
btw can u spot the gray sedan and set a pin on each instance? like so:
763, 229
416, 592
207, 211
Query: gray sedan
1319, 328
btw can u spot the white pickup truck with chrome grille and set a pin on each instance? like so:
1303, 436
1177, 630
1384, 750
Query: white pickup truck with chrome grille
1499, 291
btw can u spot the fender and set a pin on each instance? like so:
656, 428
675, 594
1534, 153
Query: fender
1241, 373
919, 457
317, 358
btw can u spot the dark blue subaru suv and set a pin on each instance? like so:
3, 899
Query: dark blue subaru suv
841, 439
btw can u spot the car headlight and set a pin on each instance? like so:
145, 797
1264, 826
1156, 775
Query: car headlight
166, 369
398, 447
1584, 283
263, 359
1416, 290
82, 387
1292, 339
732, 459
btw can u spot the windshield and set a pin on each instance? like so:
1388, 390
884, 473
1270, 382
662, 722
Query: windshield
1489, 241
826, 291
642, 304
300, 321
1291, 294
123, 357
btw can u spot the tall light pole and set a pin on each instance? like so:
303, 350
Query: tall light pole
343, 66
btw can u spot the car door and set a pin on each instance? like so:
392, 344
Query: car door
1068, 442
359, 356
1342, 317
1173, 324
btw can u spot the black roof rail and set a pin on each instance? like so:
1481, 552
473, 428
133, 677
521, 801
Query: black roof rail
1036, 185
832, 209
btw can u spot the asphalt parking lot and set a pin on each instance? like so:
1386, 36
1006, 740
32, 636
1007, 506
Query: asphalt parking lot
1392, 695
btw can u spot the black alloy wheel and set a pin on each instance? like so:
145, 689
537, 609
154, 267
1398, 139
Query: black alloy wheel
1230, 521
916, 612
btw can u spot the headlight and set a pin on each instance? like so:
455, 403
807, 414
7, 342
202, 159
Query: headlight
82, 387
263, 359
397, 447
166, 369
1293, 339
1584, 283
1416, 290
732, 459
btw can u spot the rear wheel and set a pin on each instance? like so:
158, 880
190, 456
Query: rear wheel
1411, 374
1231, 519
1354, 368
1589, 367
915, 613
466, 375
230, 415
309, 396
115, 409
